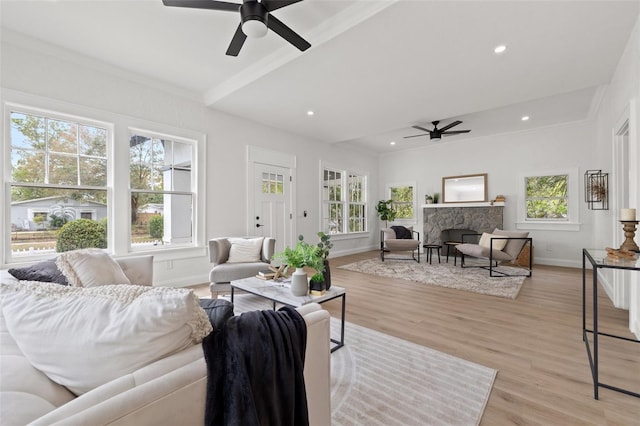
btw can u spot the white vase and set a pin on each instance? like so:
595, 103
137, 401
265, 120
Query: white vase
299, 283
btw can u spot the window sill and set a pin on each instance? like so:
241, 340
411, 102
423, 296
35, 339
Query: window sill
350, 236
549, 226
176, 253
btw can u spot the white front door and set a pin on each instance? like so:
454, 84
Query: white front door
271, 203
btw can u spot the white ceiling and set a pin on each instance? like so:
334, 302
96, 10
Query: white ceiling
375, 68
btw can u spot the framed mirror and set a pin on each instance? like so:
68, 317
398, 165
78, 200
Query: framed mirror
464, 189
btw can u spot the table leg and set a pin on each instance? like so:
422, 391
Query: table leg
232, 294
595, 333
340, 343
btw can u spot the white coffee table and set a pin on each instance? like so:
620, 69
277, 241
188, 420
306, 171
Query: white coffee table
279, 291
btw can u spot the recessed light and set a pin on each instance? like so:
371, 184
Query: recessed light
525, 118
500, 49
310, 113
392, 143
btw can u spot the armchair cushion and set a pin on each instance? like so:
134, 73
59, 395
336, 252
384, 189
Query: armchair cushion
485, 241
513, 247
244, 250
476, 250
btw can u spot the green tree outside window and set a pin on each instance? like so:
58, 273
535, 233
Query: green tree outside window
547, 197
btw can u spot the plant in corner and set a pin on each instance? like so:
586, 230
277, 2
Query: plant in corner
386, 211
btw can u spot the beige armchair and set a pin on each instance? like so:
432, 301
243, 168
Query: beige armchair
236, 258
391, 242
499, 246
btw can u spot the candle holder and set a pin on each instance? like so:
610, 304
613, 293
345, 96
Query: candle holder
629, 227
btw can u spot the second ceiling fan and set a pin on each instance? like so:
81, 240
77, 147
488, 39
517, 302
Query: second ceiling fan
255, 18
436, 134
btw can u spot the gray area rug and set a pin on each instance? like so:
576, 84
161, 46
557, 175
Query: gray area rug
377, 379
475, 280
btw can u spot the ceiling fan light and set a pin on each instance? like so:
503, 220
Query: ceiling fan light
253, 16
435, 137
254, 28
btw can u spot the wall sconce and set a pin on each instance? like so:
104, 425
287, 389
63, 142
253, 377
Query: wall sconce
596, 189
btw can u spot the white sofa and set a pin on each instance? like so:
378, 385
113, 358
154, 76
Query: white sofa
169, 391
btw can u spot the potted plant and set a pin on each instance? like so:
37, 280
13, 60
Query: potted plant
303, 254
428, 199
386, 211
436, 197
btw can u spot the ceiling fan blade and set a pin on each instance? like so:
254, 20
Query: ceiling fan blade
287, 33
448, 126
204, 4
272, 5
422, 128
456, 132
415, 136
236, 42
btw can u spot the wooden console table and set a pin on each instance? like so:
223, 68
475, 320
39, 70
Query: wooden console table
599, 260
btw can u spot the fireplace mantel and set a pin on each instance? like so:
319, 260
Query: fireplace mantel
487, 204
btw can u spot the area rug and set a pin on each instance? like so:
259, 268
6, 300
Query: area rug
377, 379
475, 280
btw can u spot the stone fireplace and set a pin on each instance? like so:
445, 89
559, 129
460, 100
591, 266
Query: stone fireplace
482, 217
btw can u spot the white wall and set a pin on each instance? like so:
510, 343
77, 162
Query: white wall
504, 158
34, 68
621, 101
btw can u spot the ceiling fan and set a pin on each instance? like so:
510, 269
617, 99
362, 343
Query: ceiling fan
255, 18
436, 134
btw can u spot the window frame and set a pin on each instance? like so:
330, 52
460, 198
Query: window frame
118, 126
345, 202
571, 223
193, 171
56, 114
407, 220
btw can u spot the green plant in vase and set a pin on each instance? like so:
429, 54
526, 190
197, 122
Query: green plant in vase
436, 197
303, 254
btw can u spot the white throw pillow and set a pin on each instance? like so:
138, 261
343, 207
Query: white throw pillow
82, 338
245, 250
485, 241
90, 268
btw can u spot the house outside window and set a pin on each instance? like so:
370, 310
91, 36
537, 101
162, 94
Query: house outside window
403, 197
56, 161
343, 201
161, 202
549, 200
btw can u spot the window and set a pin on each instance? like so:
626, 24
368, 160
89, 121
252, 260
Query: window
343, 202
403, 201
58, 164
547, 197
161, 191
272, 183
549, 200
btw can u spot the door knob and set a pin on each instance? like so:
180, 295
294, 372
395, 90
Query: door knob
258, 225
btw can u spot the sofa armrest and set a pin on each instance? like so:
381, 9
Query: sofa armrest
219, 250
268, 249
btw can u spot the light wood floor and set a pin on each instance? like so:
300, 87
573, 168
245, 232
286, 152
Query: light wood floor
534, 342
